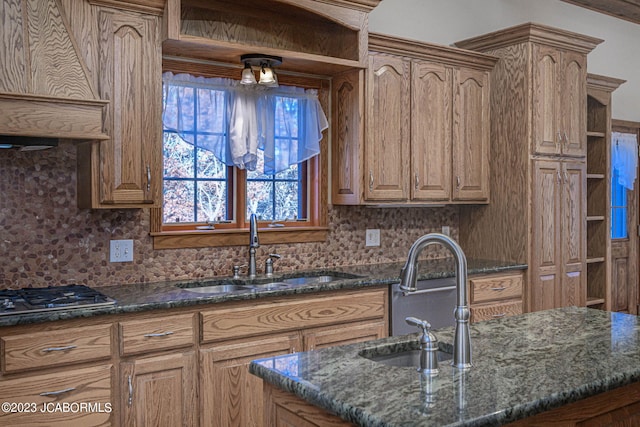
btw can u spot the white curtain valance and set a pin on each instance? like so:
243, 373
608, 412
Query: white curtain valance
235, 121
624, 157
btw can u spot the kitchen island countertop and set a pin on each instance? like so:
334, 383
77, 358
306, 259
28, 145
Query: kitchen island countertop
140, 297
522, 366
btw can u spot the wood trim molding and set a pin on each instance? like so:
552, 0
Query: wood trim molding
155, 7
605, 83
238, 237
430, 51
531, 32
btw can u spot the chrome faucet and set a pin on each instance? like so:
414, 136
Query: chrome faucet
253, 244
462, 340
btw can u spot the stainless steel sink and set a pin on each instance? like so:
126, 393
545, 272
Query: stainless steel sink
325, 278
269, 286
217, 289
405, 359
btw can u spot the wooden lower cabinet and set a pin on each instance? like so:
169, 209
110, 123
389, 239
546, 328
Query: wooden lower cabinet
42, 398
616, 408
283, 409
331, 336
231, 396
159, 391
495, 296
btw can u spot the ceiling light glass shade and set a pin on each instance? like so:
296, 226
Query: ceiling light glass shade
267, 76
248, 78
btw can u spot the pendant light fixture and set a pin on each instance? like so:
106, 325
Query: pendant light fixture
265, 63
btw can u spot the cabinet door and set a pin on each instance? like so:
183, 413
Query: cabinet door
67, 386
431, 104
159, 391
573, 101
318, 338
348, 135
387, 124
231, 396
574, 254
471, 135
130, 78
546, 217
546, 125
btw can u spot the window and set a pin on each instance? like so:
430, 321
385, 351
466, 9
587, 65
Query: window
618, 207
206, 199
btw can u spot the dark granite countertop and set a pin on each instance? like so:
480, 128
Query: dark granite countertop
522, 365
162, 295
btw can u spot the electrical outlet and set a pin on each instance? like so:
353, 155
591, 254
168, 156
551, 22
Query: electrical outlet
121, 251
446, 230
372, 237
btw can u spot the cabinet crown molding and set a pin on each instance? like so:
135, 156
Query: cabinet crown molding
531, 32
430, 51
605, 83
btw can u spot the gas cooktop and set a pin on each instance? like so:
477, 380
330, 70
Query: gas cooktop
33, 300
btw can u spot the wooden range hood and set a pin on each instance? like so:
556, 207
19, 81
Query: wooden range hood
45, 90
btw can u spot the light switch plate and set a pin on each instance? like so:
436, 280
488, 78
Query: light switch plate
121, 251
372, 237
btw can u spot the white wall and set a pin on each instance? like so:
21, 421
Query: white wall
447, 21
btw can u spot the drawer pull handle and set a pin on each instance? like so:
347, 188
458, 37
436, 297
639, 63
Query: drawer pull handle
499, 289
160, 334
499, 315
56, 393
50, 349
130, 401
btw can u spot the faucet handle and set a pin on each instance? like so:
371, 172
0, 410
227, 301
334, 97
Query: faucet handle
236, 270
422, 324
268, 264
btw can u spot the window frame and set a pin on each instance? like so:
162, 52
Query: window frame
175, 236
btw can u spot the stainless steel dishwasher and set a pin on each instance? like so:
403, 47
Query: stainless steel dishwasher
434, 301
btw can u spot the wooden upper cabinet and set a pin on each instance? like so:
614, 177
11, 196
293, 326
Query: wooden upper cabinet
471, 127
125, 170
559, 110
431, 120
388, 137
426, 131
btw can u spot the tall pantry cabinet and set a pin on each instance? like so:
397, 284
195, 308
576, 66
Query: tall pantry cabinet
538, 152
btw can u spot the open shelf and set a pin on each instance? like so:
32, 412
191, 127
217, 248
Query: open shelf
310, 39
595, 260
595, 176
594, 301
596, 134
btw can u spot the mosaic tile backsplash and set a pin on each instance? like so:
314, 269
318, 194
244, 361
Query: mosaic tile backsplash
46, 240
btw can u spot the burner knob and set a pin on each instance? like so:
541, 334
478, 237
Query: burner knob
8, 304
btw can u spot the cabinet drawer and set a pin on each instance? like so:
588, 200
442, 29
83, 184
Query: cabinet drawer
292, 314
495, 288
47, 392
53, 348
495, 311
140, 336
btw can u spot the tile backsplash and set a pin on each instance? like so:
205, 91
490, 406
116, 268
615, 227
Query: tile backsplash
46, 240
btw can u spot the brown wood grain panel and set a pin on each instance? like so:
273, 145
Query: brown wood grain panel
162, 389
56, 67
91, 385
620, 404
285, 409
495, 311
292, 314
495, 288
55, 348
141, 336
330, 336
14, 76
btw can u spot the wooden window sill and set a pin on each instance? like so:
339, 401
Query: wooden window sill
236, 237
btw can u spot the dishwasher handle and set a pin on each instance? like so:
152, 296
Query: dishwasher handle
429, 291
